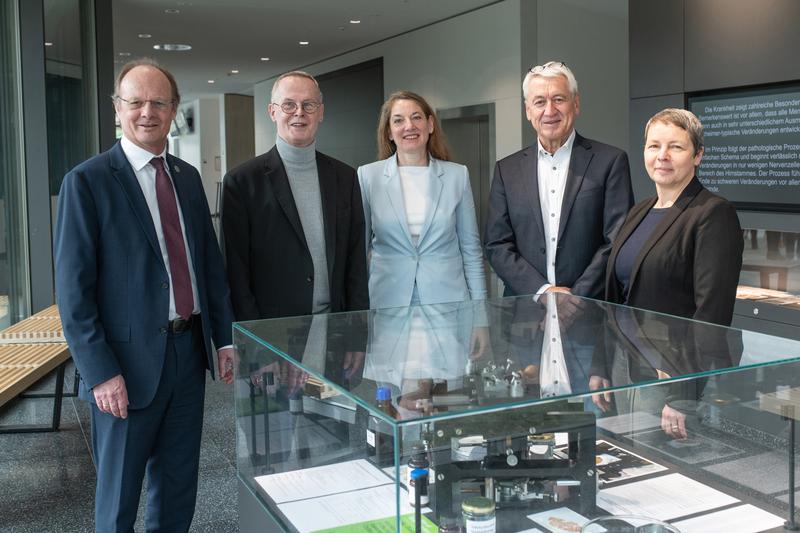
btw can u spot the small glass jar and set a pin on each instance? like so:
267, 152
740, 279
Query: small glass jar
479, 515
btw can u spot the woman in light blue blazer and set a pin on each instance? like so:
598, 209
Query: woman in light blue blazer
422, 236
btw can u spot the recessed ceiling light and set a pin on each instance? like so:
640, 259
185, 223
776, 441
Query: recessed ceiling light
210, 81
48, 43
144, 36
123, 54
355, 22
172, 47
172, 11
264, 59
234, 71
303, 43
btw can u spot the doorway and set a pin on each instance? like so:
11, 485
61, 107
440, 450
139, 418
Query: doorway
470, 133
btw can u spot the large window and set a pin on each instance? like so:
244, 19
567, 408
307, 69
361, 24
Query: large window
14, 285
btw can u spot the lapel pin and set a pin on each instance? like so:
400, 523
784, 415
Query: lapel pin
176, 168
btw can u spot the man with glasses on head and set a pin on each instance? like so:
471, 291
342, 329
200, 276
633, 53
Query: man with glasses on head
292, 220
141, 290
556, 206
554, 210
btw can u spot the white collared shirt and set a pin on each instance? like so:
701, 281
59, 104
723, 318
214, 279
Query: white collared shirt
552, 178
553, 373
139, 159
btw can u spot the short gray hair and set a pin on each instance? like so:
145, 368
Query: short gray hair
296, 74
685, 120
551, 69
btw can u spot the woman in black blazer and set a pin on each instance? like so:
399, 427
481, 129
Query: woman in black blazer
679, 252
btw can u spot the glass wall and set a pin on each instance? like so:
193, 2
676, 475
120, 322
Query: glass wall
14, 284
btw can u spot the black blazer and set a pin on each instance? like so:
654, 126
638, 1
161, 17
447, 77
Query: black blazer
268, 262
690, 265
597, 196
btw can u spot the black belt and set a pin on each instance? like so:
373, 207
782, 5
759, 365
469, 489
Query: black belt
181, 325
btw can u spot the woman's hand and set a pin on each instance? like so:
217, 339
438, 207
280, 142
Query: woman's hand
479, 343
673, 423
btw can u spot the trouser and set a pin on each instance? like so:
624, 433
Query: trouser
161, 440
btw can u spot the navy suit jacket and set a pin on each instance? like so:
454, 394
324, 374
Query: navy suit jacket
112, 286
597, 197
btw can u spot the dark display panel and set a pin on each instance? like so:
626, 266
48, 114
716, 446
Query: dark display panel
752, 145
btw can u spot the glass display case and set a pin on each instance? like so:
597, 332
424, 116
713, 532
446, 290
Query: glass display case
554, 415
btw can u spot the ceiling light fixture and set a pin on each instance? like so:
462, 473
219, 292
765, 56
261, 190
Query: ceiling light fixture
210, 81
172, 11
123, 54
303, 43
172, 47
144, 36
234, 71
264, 59
355, 22
48, 43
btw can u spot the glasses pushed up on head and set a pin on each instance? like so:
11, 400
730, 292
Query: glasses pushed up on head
135, 103
550, 64
289, 107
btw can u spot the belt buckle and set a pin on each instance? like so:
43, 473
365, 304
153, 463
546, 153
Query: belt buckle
180, 325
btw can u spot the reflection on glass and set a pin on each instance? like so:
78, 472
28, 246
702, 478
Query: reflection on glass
14, 296
580, 409
771, 267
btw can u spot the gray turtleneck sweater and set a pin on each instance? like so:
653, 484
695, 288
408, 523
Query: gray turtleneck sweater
301, 169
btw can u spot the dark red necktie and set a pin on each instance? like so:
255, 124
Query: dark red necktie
173, 237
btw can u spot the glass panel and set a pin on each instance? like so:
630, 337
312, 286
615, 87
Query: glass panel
771, 268
571, 404
14, 295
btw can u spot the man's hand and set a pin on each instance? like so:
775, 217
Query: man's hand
353, 363
603, 399
112, 397
225, 357
553, 288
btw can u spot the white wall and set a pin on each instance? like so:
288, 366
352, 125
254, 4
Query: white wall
481, 57
201, 147
467, 60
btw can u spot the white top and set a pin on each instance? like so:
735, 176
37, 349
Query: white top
139, 159
552, 172
414, 182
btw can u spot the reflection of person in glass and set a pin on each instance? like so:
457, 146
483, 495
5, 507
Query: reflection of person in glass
422, 236
679, 252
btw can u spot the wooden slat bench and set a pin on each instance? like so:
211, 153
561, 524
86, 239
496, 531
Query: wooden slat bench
29, 351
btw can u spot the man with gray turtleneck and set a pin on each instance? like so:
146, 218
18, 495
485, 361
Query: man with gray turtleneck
292, 220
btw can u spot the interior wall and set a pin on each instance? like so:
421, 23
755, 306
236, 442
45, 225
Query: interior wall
237, 131
202, 146
466, 60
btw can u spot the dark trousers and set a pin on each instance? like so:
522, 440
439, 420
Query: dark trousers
161, 440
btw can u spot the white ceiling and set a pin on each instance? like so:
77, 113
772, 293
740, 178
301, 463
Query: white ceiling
237, 33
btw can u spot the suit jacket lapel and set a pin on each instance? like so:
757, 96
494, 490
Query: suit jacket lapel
669, 218
124, 174
578, 163
529, 173
276, 174
182, 192
434, 193
394, 193
327, 191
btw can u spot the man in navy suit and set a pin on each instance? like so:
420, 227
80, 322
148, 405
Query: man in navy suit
142, 293
556, 206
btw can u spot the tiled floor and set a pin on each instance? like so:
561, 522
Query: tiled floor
47, 480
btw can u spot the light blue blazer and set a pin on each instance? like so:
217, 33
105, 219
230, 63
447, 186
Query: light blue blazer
447, 263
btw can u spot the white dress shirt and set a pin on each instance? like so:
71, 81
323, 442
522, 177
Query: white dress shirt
552, 172
139, 159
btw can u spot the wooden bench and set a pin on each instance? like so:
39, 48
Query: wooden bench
30, 350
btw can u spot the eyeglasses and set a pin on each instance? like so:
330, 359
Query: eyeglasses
134, 104
289, 107
550, 64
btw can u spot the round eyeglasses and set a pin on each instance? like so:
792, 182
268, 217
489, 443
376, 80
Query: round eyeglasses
289, 107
